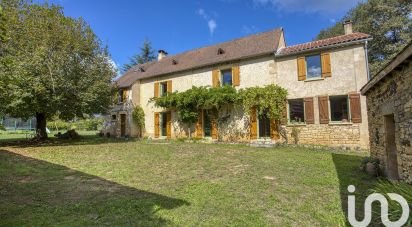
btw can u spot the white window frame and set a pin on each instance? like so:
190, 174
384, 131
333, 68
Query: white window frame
330, 109
306, 66
304, 112
221, 75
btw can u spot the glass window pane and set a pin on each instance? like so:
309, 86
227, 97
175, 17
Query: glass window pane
163, 124
296, 111
163, 89
227, 77
313, 66
339, 108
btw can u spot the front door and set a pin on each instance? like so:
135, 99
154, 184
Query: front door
122, 125
390, 146
264, 126
207, 124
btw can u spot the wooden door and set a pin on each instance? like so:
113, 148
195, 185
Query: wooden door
122, 125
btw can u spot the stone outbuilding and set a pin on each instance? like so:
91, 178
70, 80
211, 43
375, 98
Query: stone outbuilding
389, 104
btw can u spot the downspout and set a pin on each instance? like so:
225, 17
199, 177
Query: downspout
367, 60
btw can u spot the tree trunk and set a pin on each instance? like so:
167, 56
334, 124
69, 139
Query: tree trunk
41, 133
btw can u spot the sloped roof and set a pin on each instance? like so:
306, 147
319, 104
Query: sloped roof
246, 47
402, 58
323, 43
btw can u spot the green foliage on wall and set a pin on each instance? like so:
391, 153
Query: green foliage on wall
138, 116
269, 100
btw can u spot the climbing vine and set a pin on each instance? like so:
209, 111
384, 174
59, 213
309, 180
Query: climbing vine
138, 117
269, 100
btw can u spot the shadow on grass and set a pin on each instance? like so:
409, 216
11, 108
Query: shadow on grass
347, 168
35, 192
53, 141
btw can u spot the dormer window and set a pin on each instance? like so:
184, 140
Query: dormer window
220, 51
174, 62
141, 69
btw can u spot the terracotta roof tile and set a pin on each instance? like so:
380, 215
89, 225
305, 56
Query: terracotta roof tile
357, 36
250, 46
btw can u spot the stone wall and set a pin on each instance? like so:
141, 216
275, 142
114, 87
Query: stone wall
393, 95
345, 136
348, 75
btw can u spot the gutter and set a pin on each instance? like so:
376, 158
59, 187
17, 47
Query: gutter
367, 60
323, 47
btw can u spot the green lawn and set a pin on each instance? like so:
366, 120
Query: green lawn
115, 182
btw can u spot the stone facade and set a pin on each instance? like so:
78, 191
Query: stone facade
349, 73
392, 97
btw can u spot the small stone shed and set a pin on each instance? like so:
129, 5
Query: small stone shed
389, 102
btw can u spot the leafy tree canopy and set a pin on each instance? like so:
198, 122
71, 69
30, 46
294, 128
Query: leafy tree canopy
51, 65
147, 54
388, 21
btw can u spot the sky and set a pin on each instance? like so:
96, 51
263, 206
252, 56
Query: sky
180, 25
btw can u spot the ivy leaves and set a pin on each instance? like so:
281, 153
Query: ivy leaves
269, 100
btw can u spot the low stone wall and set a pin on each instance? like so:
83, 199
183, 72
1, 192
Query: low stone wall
392, 96
345, 136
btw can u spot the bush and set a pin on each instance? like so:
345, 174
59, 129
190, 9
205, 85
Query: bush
2, 128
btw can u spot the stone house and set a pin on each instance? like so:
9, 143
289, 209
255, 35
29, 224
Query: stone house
323, 79
389, 104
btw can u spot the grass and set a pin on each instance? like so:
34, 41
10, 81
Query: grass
101, 181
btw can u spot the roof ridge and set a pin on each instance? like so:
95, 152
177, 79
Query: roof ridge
225, 42
322, 40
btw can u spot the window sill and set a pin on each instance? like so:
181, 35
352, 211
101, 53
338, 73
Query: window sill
340, 123
314, 79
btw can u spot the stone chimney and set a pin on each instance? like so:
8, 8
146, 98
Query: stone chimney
347, 26
161, 54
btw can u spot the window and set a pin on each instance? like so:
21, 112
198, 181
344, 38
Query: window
313, 67
121, 96
264, 126
163, 89
339, 108
114, 117
296, 111
163, 124
226, 77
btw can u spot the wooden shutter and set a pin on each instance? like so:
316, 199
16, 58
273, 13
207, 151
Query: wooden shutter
355, 108
169, 86
156, 89
236, 75
323, 109
199, 125
301, 68
124, 95
309, 114
274, 134
215, 78
169, 125
214, 129
253, 124
156, 125
326, 68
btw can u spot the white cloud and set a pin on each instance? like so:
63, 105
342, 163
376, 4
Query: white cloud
211, 22
309, 6
212, 26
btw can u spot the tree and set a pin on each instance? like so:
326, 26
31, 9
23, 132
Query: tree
147, 54
388, 21
52, 65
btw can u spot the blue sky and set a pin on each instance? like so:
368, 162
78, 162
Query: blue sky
181, 25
